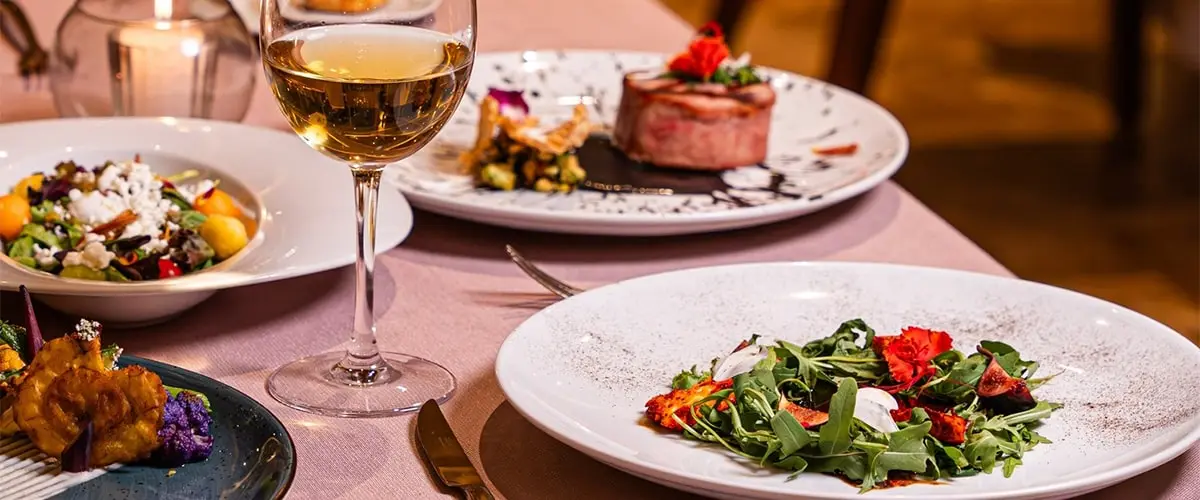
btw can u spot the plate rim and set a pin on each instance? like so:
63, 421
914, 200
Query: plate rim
742, 217
154, 366
666, 476
215, 280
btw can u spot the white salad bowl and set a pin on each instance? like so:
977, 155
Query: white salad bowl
302, 201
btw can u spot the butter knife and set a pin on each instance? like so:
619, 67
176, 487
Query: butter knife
444, 453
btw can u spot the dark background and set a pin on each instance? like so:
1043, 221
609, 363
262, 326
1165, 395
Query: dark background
1007, 105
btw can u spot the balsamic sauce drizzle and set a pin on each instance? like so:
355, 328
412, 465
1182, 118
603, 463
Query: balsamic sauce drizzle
610, 171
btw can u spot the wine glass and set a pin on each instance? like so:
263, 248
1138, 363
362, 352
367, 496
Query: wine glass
369, 89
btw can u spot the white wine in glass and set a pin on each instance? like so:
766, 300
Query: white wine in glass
368, 94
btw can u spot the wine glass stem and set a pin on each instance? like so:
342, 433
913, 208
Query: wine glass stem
363, 354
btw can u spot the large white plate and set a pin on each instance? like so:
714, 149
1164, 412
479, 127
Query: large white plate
306, 200
582, 369
808, 113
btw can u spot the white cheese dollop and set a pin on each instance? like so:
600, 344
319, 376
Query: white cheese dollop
739, 362
873, 407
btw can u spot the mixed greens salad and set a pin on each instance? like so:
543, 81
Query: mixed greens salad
876, 410
119, 222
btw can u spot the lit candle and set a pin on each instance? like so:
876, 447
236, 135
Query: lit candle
161, 68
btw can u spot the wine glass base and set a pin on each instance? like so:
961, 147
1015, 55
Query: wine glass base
316, 385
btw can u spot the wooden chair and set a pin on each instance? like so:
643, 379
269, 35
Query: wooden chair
860, 25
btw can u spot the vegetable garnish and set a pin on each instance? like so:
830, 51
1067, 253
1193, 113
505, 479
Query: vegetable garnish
704, 61
884, 411
514, 150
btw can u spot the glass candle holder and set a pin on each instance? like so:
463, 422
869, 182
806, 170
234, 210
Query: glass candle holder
182, 58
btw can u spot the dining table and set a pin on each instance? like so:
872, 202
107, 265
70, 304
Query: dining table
449, 293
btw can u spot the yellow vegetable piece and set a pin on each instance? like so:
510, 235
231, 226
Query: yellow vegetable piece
217, 203
82, 273
225, 234
33, 182
14, 214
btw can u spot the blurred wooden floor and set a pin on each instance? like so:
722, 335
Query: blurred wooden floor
1005, 104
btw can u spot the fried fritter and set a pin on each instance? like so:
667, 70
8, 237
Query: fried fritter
8, 421
125, 406
679, 402
137, 437
55, 358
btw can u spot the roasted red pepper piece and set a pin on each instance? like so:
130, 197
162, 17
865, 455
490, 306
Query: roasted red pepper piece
168, 269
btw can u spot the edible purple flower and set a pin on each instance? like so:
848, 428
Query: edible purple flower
512, 102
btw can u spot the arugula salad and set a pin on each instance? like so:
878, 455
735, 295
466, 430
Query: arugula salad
119, 222
876, 410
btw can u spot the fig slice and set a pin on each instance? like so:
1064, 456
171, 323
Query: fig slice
807, 417
1000, 391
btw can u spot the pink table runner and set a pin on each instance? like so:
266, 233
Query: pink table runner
449, 294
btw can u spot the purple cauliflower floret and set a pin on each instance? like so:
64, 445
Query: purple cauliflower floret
184, 436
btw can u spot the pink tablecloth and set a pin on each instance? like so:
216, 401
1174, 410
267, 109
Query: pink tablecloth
449, 294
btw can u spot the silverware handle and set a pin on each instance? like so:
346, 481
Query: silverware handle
478, 493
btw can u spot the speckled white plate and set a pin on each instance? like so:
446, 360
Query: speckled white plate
304, 203
808, 113
582, 369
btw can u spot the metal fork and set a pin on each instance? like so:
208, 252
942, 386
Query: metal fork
34, 61
555, 285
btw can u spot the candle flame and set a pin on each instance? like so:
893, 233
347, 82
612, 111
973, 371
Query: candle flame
162, 9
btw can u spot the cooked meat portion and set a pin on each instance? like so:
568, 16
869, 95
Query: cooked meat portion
669, 123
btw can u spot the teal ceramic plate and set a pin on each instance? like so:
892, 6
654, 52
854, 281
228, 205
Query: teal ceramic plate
253, 455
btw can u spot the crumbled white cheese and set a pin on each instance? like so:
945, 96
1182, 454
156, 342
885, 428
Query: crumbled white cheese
190, 193
94, 207
87, 330
94, 255
126, 186
45, 256
90, 237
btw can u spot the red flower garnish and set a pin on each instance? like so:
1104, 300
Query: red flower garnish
909, 354
704, 55
712, 29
